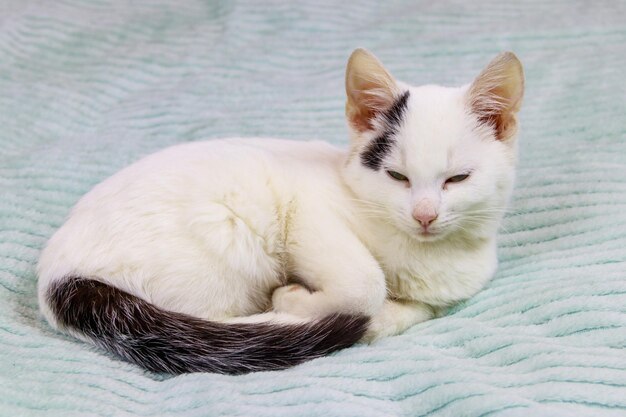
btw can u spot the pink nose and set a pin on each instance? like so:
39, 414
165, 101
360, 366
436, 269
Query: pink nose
425, 213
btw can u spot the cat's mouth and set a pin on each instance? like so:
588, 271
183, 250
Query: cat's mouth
428, 235
431, 233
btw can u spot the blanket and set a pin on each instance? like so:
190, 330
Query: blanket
88, 86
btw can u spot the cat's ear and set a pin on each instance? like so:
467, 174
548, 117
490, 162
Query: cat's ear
496, 94
370, 89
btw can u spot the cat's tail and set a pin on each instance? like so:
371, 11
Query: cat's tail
164, 341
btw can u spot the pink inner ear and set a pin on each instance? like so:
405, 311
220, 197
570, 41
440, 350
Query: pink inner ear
494, 106
497, 115
368, 103
360, 119
496, 94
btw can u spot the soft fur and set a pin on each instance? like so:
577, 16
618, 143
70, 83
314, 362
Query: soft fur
251, 230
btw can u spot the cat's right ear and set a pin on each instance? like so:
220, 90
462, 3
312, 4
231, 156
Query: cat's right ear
496, 94
370, 89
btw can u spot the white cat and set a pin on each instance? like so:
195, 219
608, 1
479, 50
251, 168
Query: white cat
252, 254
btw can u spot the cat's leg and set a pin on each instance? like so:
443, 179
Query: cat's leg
395, 317
340, 270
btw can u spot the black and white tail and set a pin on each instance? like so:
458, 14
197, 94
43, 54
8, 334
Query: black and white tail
164, 341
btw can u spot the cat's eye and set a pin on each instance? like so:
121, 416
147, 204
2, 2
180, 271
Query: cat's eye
457, 178
397, 176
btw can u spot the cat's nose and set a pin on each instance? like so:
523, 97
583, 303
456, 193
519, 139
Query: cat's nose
425, 213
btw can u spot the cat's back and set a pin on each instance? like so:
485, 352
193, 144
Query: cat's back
212, 168
300, 151
232, 160
286, 168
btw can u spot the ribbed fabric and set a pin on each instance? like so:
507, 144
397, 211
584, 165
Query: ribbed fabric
88, 87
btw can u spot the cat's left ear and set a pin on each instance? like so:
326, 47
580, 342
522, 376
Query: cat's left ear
370, 89
496, 94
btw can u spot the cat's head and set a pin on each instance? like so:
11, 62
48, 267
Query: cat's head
433, 161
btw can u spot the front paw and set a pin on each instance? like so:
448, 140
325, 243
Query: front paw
370, 336
291, 299
395, 317
377, 331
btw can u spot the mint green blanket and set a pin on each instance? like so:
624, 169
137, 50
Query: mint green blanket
87, 87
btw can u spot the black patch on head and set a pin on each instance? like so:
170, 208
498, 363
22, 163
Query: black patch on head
164, 341
376, 151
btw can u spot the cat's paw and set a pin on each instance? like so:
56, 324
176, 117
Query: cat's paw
395, 317
291, 299
376, 331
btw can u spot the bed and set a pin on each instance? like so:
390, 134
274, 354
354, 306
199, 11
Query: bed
86, 87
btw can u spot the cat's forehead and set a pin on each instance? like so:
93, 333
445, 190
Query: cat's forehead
435, 127
436, 116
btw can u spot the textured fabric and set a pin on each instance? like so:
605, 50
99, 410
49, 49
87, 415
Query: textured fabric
87, 87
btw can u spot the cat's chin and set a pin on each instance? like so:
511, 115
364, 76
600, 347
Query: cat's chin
429, 236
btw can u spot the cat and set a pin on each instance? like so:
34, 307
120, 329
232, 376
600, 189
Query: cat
242, 255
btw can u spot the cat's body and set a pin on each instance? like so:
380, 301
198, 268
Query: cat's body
216, 230
221, 230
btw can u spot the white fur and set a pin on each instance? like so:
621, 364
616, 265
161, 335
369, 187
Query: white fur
214, 229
